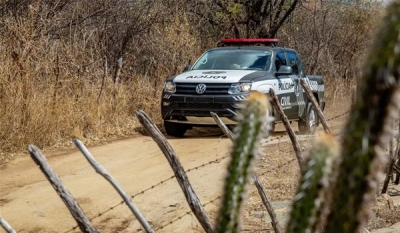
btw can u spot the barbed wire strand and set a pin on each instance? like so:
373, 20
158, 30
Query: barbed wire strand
340, 115
185, 214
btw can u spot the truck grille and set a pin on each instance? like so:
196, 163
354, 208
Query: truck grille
212, 88
203, 105
201, 113
202, 109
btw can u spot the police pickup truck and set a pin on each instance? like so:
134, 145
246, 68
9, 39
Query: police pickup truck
222, 77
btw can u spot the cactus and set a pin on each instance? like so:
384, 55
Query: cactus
315, 178
249, 130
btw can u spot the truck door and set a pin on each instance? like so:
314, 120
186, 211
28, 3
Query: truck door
298, 99
285, 89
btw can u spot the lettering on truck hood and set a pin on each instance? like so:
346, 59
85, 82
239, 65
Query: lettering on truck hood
212, 76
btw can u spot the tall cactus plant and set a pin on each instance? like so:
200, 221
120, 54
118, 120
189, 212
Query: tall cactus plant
252, 118
316, 177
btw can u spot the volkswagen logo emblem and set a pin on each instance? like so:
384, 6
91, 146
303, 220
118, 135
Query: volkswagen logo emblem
201, 88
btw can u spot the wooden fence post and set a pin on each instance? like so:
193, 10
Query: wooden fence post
103, 172
289, 129
190, 194
389, 169
223, 127
315, 104
6, 226
74, 208
267, 204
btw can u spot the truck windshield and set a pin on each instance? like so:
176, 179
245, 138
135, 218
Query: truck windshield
235, 59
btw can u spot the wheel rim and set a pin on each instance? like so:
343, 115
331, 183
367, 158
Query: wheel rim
267, 124
312, 119
267, 120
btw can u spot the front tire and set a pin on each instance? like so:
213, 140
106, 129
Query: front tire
309, 125
175, 129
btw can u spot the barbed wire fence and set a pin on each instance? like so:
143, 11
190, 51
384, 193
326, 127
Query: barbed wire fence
277, 139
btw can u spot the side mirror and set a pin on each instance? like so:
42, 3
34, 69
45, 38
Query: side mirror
187, 68
284, 70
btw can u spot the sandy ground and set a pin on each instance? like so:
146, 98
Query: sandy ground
30, 204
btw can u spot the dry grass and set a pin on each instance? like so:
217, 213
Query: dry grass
50, 89
44, 120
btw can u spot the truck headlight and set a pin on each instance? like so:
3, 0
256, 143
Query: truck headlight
245, 87
170, 87
238, 88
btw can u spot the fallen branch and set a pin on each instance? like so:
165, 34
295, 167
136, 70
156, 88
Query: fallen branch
190, 194
223, 127
264, 198
6, 226
314, 102
74, 208
289, 129
103, 172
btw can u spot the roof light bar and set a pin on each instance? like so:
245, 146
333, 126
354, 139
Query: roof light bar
250, 40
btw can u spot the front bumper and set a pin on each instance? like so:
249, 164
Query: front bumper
195, 109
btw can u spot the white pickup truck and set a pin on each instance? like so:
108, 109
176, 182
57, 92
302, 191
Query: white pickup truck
222, 77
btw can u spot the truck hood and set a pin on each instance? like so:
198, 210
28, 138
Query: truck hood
213, 76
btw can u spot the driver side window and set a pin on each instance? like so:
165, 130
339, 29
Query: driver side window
293, 62
280, 60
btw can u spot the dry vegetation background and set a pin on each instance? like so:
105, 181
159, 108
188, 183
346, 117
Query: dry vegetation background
72, 68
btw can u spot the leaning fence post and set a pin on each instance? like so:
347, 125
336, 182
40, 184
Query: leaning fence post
289, 129
268, 205
76, 211
397, 163
389, 168
6, 226
103, 172
223, 127
315, 104
190, 194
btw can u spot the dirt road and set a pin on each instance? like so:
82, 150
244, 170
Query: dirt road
30, 204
